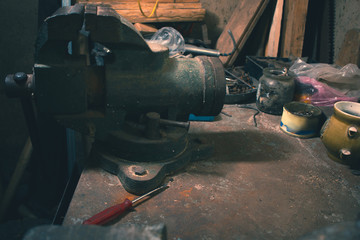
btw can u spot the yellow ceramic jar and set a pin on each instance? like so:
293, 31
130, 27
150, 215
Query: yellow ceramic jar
301, 120
340, 134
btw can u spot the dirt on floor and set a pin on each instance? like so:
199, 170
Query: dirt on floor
259, 184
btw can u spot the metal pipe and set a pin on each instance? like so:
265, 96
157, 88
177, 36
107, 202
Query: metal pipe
234, 43
210, 52
201, 51
166, 122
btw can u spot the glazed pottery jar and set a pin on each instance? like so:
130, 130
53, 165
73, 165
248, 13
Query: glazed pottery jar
340, 134
276, 88
301, 120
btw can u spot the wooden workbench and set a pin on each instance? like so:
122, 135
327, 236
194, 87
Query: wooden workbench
259, 184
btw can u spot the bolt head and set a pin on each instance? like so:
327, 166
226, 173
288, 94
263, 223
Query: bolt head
20, 77
352, 131
139, 171
345, 154
153, 115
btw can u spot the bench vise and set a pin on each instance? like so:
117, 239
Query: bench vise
95, 73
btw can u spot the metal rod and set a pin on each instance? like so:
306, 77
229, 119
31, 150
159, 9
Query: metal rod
21, 165
167, 122
31, 122
149, 193
201, 51
234, 43
238, 78
253, 108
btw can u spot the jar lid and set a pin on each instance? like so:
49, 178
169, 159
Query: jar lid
277, 73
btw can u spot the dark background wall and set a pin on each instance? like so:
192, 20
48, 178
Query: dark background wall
18, 33
18, 29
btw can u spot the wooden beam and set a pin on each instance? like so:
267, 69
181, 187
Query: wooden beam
165, 12
143, 28
164, 15
142, 1
242, 22
293, 29
272, 46
149, 6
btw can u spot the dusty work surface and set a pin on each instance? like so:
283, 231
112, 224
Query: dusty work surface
259, 184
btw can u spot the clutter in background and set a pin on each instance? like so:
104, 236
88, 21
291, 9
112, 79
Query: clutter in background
276, 88
323, 84
281, 86
256, 64
309, 90
240, 86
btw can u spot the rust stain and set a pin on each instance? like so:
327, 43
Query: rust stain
131, 198
186, 193
120, 197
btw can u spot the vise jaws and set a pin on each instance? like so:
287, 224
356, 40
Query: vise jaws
96, 74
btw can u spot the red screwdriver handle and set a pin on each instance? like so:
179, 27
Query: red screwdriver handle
109, 213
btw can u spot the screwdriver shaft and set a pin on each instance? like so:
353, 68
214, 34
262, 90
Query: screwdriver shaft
113, 212
149, 193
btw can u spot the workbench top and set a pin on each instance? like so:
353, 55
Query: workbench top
259, 184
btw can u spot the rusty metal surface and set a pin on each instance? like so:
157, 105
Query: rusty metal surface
258, 184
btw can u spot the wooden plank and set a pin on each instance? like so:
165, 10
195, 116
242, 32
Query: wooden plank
142, 1
241, 23
165, 12
164, 15
272, 46
148, 7
293, 29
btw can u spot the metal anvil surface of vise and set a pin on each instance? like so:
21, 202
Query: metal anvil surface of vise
96, 74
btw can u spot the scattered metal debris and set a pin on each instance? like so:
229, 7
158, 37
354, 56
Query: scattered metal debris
240, 86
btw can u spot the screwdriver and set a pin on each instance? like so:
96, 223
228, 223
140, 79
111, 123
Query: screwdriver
115, 211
